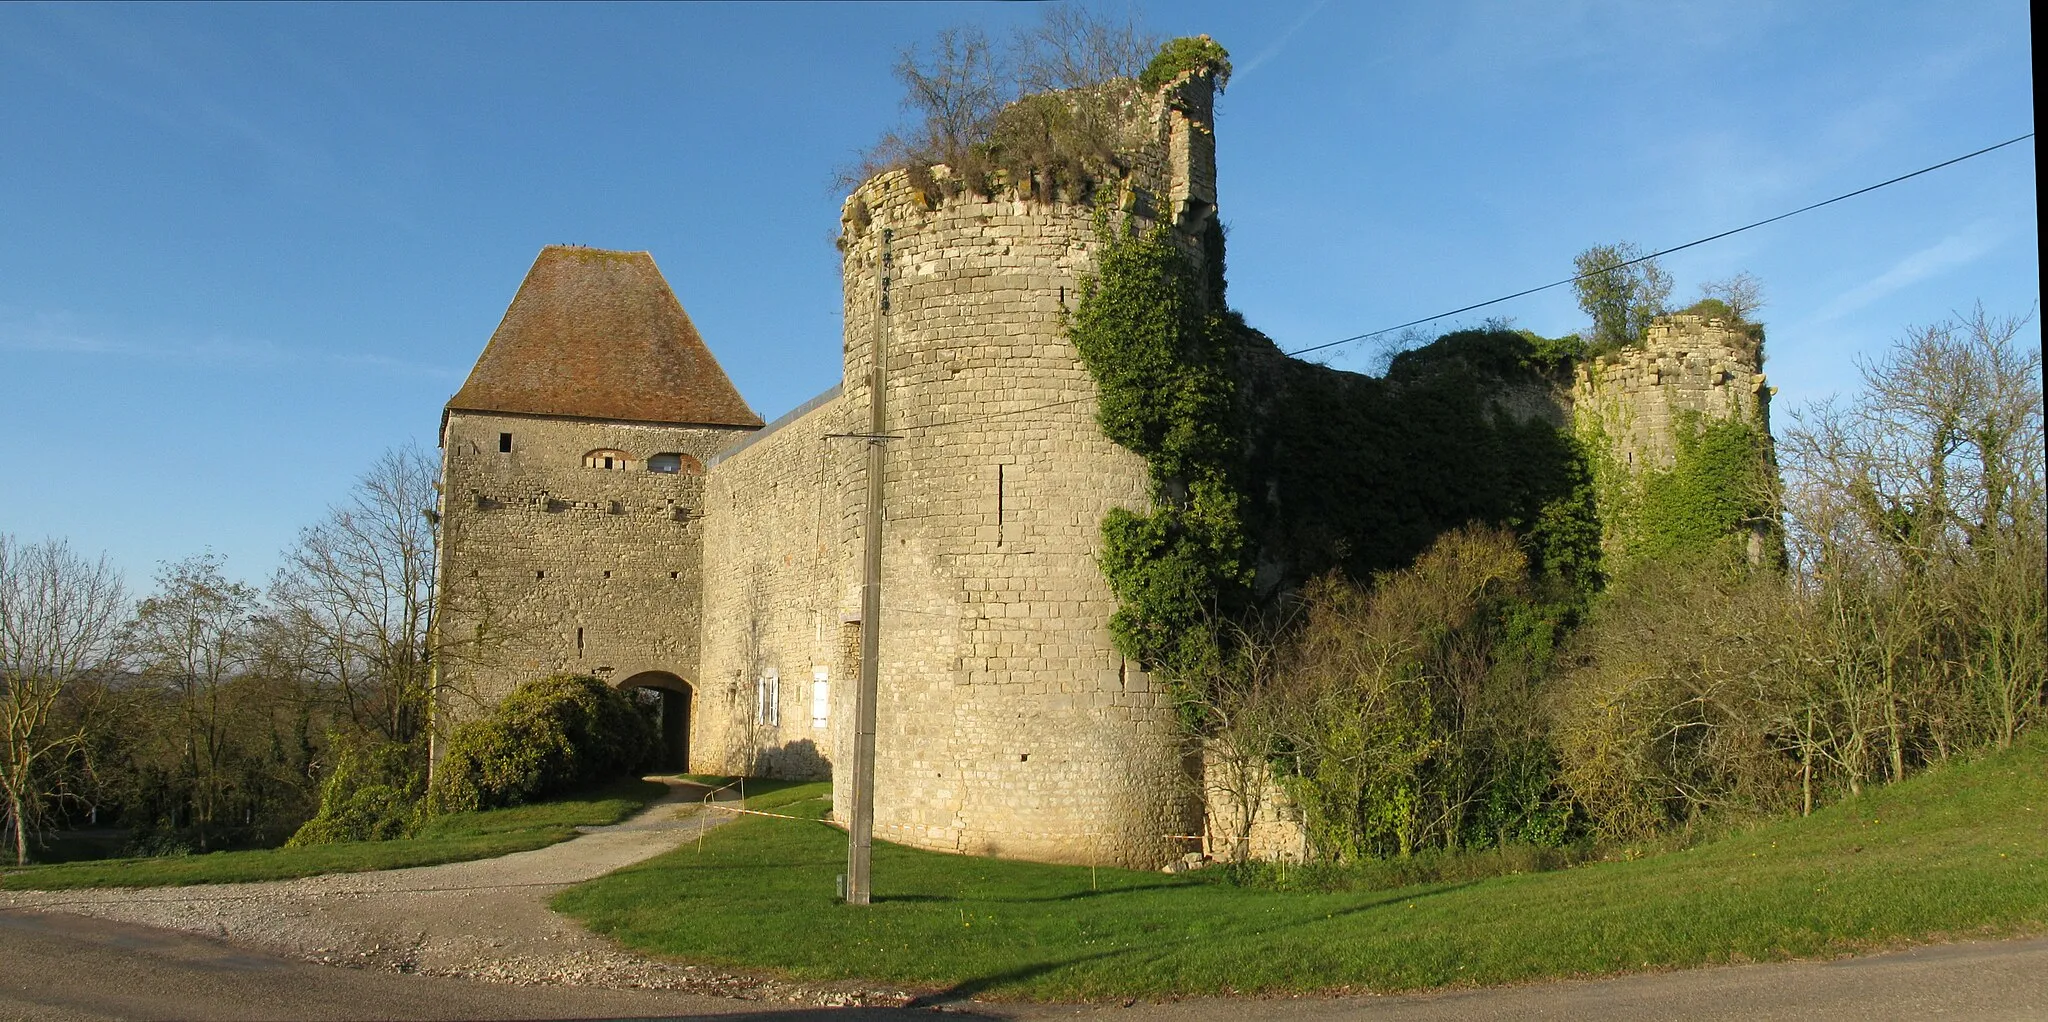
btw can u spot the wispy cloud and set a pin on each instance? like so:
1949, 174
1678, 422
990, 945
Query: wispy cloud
1959, 249
160, 81
59, 334
1273, 48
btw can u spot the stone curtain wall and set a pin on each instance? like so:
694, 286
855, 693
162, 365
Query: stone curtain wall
1277, 832
1007, 722
536, 546
780, 577
1686, 364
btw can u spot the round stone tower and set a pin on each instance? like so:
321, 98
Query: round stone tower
1008, 724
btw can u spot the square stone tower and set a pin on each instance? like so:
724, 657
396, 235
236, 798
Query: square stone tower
572, 482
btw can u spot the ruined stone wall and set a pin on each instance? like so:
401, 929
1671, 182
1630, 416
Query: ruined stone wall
778, 582
1628, 407
551, 565
1007, 722
1277, 833
1687, 364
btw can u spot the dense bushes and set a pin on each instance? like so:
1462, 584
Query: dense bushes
1409, 717
372, 793
1756, 649
1185, 54
548, 736
1906, 625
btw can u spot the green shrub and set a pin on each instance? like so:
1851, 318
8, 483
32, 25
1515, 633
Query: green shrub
372, 793
1188, 53
549, 736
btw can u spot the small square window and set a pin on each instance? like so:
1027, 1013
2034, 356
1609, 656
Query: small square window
504, 443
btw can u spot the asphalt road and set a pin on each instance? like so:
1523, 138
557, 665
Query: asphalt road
72, 968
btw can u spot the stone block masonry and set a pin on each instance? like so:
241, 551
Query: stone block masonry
553, 562
1007, 722
777, 580
1686, 364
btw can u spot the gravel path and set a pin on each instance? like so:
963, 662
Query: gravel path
486, 919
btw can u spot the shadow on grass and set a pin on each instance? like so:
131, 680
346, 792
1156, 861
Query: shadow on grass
969, 989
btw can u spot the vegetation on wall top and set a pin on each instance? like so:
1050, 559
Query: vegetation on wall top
1185, 54
1046, 115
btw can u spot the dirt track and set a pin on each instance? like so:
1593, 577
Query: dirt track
487, 919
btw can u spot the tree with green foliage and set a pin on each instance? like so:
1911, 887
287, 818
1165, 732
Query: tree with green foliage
1410, 706
1623, 290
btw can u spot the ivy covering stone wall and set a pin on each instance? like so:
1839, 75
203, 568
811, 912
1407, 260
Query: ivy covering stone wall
1267, 472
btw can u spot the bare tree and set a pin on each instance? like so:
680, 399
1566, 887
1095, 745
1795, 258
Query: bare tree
60, 625
1072, 47
962, 90
1915, 514
1742, 294
955, 90
358, 591
194, 636
1238, 717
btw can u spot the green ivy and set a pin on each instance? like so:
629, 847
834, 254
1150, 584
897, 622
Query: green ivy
1714, 492
1360, 474
1161, 360
1255, 457
1717, 491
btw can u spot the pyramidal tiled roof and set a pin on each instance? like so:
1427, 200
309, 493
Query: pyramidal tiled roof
596, 334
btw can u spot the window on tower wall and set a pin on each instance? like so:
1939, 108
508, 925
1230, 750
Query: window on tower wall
681, 464
607, 459
768, 698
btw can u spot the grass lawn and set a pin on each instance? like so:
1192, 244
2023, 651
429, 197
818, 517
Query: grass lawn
1959, 851
452, 838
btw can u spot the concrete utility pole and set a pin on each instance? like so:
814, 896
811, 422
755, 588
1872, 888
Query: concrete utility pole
860, 830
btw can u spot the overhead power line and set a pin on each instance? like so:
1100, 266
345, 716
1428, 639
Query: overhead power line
1663, 252
986, 416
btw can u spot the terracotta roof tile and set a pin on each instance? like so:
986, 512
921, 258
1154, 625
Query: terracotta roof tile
597, 334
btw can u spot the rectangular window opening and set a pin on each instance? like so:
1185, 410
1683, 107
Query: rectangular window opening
768, 698
999, 505
504, 443
579, 642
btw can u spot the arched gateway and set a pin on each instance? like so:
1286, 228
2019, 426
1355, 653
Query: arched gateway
675, 695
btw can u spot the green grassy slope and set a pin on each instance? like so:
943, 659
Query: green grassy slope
452, 838
1959, 851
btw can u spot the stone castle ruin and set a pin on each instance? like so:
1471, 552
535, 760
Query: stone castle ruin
612, 506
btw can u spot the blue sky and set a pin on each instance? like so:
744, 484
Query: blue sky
248, 248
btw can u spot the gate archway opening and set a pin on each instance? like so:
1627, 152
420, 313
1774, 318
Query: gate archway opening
672, 697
